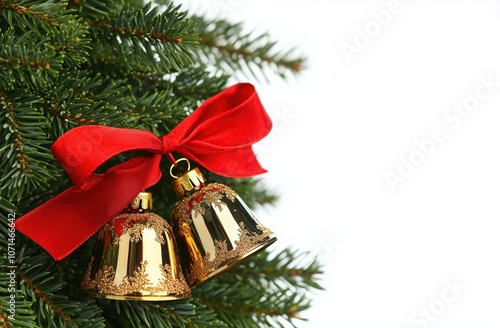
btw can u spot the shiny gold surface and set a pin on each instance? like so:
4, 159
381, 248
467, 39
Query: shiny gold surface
216, 231
144, 200
187, 182
135, 258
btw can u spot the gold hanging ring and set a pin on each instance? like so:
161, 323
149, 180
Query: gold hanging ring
176, 162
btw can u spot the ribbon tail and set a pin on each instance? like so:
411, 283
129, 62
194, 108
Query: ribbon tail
63, 223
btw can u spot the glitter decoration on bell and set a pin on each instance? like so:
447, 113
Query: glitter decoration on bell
135, 258
215, 229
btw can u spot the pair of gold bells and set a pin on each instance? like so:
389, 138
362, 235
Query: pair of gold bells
140, 256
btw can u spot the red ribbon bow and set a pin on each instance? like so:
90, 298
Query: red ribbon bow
218, 135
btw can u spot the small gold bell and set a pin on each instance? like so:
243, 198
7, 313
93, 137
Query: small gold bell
214, 227
135, 258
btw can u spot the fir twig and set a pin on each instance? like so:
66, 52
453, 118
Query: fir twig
41, 283
173, 314
265, 289
145, 40
231, 49
26, 62
43, 15
23, 152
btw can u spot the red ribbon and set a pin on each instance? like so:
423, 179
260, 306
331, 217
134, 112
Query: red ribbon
218, 135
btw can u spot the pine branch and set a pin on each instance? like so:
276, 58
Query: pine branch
8, 213
24, 157
264, 289
196, 84
71, 42
170, 98
39, 39
241, 304
172, 314
286, 269
15, 310
36, 281
25, 61
145, 40
41, 283
28, 13
96, 9
82, 98
228, 47
156, 112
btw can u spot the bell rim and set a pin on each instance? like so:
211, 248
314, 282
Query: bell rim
137, 297
234, 262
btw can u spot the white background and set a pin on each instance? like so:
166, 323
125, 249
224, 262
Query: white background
430, 244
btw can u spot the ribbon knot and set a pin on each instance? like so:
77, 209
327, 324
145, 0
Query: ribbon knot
218, 135
166, 149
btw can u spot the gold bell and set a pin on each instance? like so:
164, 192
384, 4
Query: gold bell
135, 258
214, 227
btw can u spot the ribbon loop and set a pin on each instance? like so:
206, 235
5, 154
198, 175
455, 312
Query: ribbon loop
83, 149
218, 135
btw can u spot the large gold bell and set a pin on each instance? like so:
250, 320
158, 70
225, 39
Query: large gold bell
135, 258
214, 227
